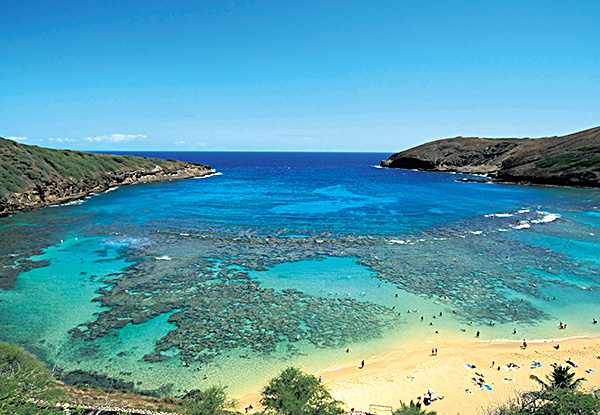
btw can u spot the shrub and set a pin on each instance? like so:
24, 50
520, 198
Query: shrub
212, 401
22, 378
294, 392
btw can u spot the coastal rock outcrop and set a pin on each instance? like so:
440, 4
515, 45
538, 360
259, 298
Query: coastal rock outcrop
33, 177
571, 160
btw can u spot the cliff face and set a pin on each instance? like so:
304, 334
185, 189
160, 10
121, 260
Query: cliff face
33, 177
572, 160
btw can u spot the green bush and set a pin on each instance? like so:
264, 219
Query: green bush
294, 392
212, 401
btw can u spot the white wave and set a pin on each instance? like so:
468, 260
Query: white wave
215, 173
71, 203
499, 215
476, 232
521, 226
378, 167
547, 218
397, 241
163, 258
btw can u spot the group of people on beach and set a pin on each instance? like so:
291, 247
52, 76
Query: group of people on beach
429, 397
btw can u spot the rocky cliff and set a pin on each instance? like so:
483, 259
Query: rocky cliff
571, 160
33, 177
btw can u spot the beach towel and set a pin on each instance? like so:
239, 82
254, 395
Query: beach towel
590, 371
509, 379
572, 364
469, 366
488, 387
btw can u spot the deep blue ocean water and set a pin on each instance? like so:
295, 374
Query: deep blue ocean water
292, 258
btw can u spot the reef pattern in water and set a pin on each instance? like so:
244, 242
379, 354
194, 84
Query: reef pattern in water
198, 265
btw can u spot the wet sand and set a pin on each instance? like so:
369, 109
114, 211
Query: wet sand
405, 375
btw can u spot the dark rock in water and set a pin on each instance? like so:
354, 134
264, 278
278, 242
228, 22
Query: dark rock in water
572, 160
164, 390
97, 379
155, 357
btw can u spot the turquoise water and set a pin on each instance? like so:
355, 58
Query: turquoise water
291, 258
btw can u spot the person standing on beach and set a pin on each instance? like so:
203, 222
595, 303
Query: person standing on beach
362, 364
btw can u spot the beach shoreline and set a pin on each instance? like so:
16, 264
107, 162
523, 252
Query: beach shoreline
405, 374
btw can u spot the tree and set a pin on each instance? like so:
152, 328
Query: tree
561, 377
557, 397
412, 409
211, 401
294, 392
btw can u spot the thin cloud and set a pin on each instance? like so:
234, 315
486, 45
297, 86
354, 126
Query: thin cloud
115, 138
17, 138
179, 143
62, 140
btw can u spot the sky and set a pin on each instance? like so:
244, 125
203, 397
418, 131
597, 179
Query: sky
294, 75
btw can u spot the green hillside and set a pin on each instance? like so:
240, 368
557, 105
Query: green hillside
32, 177
23, 166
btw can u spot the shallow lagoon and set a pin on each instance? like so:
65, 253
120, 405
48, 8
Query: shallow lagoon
292, 259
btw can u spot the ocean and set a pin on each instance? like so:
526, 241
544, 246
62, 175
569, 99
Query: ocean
313, 260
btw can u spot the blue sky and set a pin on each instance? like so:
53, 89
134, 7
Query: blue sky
307, 76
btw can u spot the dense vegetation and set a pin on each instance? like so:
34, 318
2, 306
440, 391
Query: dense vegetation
21, 166
23, 380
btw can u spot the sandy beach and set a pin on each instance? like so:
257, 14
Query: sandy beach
405, 375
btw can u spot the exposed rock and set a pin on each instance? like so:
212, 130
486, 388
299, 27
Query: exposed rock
572, 160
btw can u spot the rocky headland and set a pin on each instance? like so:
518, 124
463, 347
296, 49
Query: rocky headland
571, 160
32, 177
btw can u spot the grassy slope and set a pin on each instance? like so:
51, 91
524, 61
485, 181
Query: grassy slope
23, 167
569, 160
